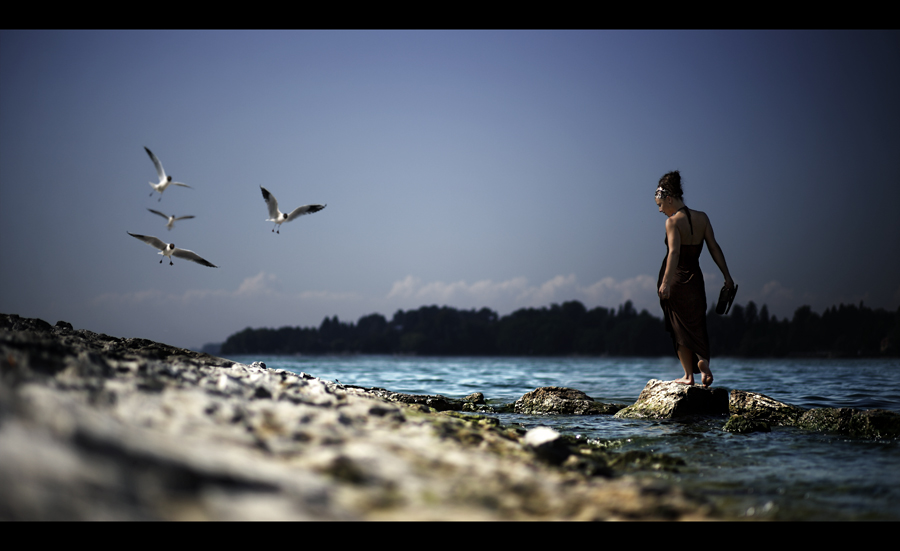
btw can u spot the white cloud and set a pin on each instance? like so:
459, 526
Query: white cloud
640, 290
405, 288
328, 295
551, 291
259, 286
776, 292
514, 293
481, 293
195, 316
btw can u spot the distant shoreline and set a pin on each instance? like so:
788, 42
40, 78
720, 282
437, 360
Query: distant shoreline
567, 330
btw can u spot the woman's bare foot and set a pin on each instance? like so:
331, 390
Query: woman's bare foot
685, 356
706, 376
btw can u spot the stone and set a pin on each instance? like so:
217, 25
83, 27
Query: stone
474, 398
751, 405
667, 400
560, 400
548, 445
739, 424
436, 402
872, 423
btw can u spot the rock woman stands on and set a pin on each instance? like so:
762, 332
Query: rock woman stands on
682, 293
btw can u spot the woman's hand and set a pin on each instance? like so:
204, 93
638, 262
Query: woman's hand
664, 290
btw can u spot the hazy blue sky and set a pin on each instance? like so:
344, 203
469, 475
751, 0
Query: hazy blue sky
500, 169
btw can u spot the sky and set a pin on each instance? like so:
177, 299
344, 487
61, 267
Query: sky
499, 169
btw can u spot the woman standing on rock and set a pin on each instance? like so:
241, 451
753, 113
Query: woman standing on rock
682, 293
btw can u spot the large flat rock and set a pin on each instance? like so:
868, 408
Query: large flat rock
667, 400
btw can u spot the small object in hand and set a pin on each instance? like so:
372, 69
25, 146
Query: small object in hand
726, 297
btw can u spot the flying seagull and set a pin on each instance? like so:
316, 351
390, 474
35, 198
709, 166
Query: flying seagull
279, 217
171, 219
164, 180
169, 250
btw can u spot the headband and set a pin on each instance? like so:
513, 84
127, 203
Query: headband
661, 193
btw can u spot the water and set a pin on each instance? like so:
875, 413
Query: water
786, 474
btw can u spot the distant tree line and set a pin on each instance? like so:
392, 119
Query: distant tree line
572, 329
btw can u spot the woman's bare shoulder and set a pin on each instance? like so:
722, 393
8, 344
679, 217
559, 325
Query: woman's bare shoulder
699, 214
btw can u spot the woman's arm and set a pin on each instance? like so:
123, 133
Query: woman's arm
673, 237
716, 252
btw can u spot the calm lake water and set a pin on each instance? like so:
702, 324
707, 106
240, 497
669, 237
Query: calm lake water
786, 474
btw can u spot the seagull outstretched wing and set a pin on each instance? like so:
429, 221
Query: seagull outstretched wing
305, 209
191, 255
150, 240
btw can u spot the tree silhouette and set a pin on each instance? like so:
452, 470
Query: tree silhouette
572, 329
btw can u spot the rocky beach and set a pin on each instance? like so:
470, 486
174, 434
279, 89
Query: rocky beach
94, 427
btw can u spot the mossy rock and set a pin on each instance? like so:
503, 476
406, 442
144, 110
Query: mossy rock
562, 401
759, 407
739, 424
872, 423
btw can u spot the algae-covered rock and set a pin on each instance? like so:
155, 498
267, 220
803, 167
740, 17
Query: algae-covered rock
872, 423
474, 398
752, 405
436, 401
560, 400
739, 424
668, 399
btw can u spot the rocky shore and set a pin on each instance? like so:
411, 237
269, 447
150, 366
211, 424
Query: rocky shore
94, 427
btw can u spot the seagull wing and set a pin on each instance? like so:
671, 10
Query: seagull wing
271, 203
191, 255
184, 217
166, 216
180, 184
159, 169
150, 240
305, 209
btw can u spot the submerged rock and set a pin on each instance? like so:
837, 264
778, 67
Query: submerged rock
740, 424
872, 423
560, 400
667, 399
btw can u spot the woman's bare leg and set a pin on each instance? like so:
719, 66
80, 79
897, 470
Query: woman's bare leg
687, 359
706, 376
